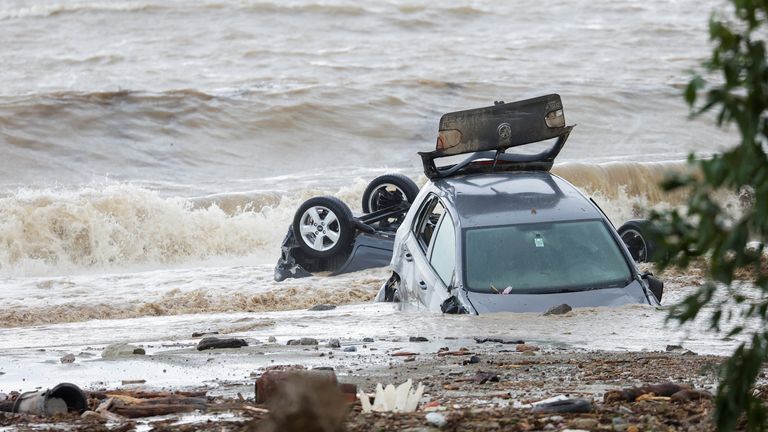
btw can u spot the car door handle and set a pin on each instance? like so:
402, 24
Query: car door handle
422, 285
408, 257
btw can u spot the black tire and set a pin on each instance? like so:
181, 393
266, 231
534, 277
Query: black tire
636, 236
340, 227
388, 190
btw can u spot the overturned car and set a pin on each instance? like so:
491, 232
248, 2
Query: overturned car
494, 232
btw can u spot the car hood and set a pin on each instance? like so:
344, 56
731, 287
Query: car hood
483, 303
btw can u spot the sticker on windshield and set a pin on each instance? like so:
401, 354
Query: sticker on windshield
538, 241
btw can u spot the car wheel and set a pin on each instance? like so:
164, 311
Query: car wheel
387, 191
634, 234
323, 226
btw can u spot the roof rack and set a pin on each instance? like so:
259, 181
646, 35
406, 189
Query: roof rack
488, 132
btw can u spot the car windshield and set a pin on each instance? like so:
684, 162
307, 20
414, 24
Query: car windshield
543, 258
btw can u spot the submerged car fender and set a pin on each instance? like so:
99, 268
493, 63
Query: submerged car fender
367, 251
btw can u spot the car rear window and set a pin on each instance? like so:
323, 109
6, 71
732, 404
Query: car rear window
543, 258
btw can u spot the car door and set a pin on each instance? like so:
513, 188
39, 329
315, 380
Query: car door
442, 262
430, 241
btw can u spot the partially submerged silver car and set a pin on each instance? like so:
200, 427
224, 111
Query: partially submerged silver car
494, 232
514, 241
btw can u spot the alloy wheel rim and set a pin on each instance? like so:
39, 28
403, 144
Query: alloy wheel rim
319, 228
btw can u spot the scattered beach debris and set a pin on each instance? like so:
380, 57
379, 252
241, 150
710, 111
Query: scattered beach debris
60, 399
118, 350
497, 339
212, 342
484, 377
401, 399
206, 332
463, 351
454, 394
632, 394
403, 354
558, 310
526, 348
562, 404
117, 405
303, 341
305, 402
93, 416
271, 381
586, 424
436, 419
472, 360
691, 395
679, 349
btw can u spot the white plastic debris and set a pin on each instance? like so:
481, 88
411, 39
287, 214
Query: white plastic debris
436, 419
401, 399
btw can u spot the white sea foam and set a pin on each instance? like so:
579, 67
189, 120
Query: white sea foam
118, 226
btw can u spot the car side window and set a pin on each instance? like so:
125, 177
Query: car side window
443, 250
427, 221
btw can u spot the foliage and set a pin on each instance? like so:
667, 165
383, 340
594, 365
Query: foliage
730, 241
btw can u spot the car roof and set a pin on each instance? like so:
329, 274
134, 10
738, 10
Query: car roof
514, 198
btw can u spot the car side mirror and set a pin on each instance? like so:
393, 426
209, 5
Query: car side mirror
655, 285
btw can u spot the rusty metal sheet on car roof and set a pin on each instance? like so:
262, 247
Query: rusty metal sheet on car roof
501, 126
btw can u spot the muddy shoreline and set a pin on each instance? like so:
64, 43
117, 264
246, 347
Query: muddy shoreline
581, 354
448, 367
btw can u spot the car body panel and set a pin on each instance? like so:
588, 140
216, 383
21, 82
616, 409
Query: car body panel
367, 251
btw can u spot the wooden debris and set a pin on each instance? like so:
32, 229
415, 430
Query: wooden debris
631, 394
651, 397
145, 394
454, 353
136, 411
691, 395
403, 354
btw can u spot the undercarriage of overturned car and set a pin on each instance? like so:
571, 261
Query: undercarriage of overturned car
493, 232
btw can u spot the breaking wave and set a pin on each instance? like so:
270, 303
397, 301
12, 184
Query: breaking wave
117, 225
122, 224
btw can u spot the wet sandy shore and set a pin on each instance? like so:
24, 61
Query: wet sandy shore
582, 354
519, 374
